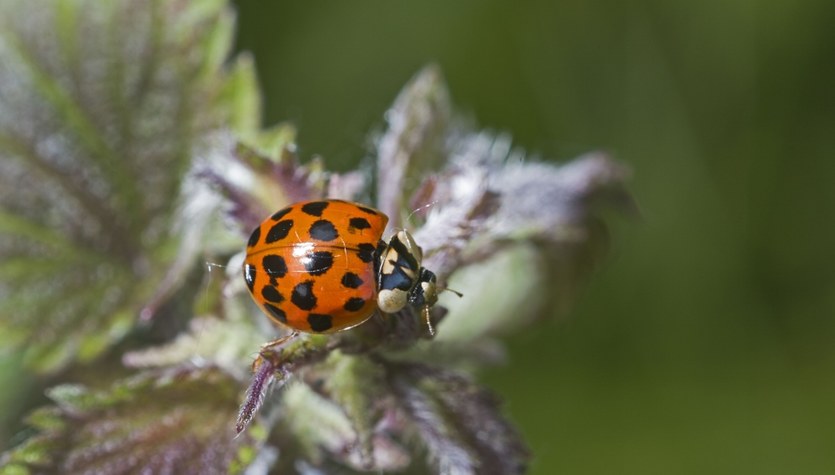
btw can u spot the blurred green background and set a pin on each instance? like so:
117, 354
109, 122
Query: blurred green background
704, 343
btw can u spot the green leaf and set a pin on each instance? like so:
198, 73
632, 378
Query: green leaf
501, 304
317, 423
175, 421
224, 343
101, 109
355, 383
242, 100
328, 438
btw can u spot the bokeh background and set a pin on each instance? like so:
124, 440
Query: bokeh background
704, 343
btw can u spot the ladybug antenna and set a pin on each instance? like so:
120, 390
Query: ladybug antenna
414, 211
210, 264
165, 289
447, 289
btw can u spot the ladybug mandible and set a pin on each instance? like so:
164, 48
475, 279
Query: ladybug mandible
321, 267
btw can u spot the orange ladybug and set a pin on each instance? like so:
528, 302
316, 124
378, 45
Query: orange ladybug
321, 267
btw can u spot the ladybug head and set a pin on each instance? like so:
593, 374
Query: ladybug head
425, 291
402, 280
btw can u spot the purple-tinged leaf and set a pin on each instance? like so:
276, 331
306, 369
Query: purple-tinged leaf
166, 421
460, 424
414, 140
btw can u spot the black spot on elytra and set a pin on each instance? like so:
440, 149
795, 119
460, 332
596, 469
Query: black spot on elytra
368, 210
323, 230
315, 208
275, 266
249, 275
279, 231
303, 296
366, 252
318, 262
351, 280
276, 312
280, 213
359, 223
272, 294
254, 237
353, 304
319, 322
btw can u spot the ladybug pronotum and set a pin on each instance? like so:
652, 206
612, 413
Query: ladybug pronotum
321, 267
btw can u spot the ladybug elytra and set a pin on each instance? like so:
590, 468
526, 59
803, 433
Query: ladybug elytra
321, 266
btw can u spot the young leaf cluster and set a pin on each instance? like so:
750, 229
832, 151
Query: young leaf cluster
131, 155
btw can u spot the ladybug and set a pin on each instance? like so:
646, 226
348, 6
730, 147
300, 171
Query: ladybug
321, 267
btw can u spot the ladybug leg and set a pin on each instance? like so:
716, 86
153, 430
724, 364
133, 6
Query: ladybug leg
428, 320
268, 350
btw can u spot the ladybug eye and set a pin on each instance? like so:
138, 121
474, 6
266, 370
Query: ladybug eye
425, 293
